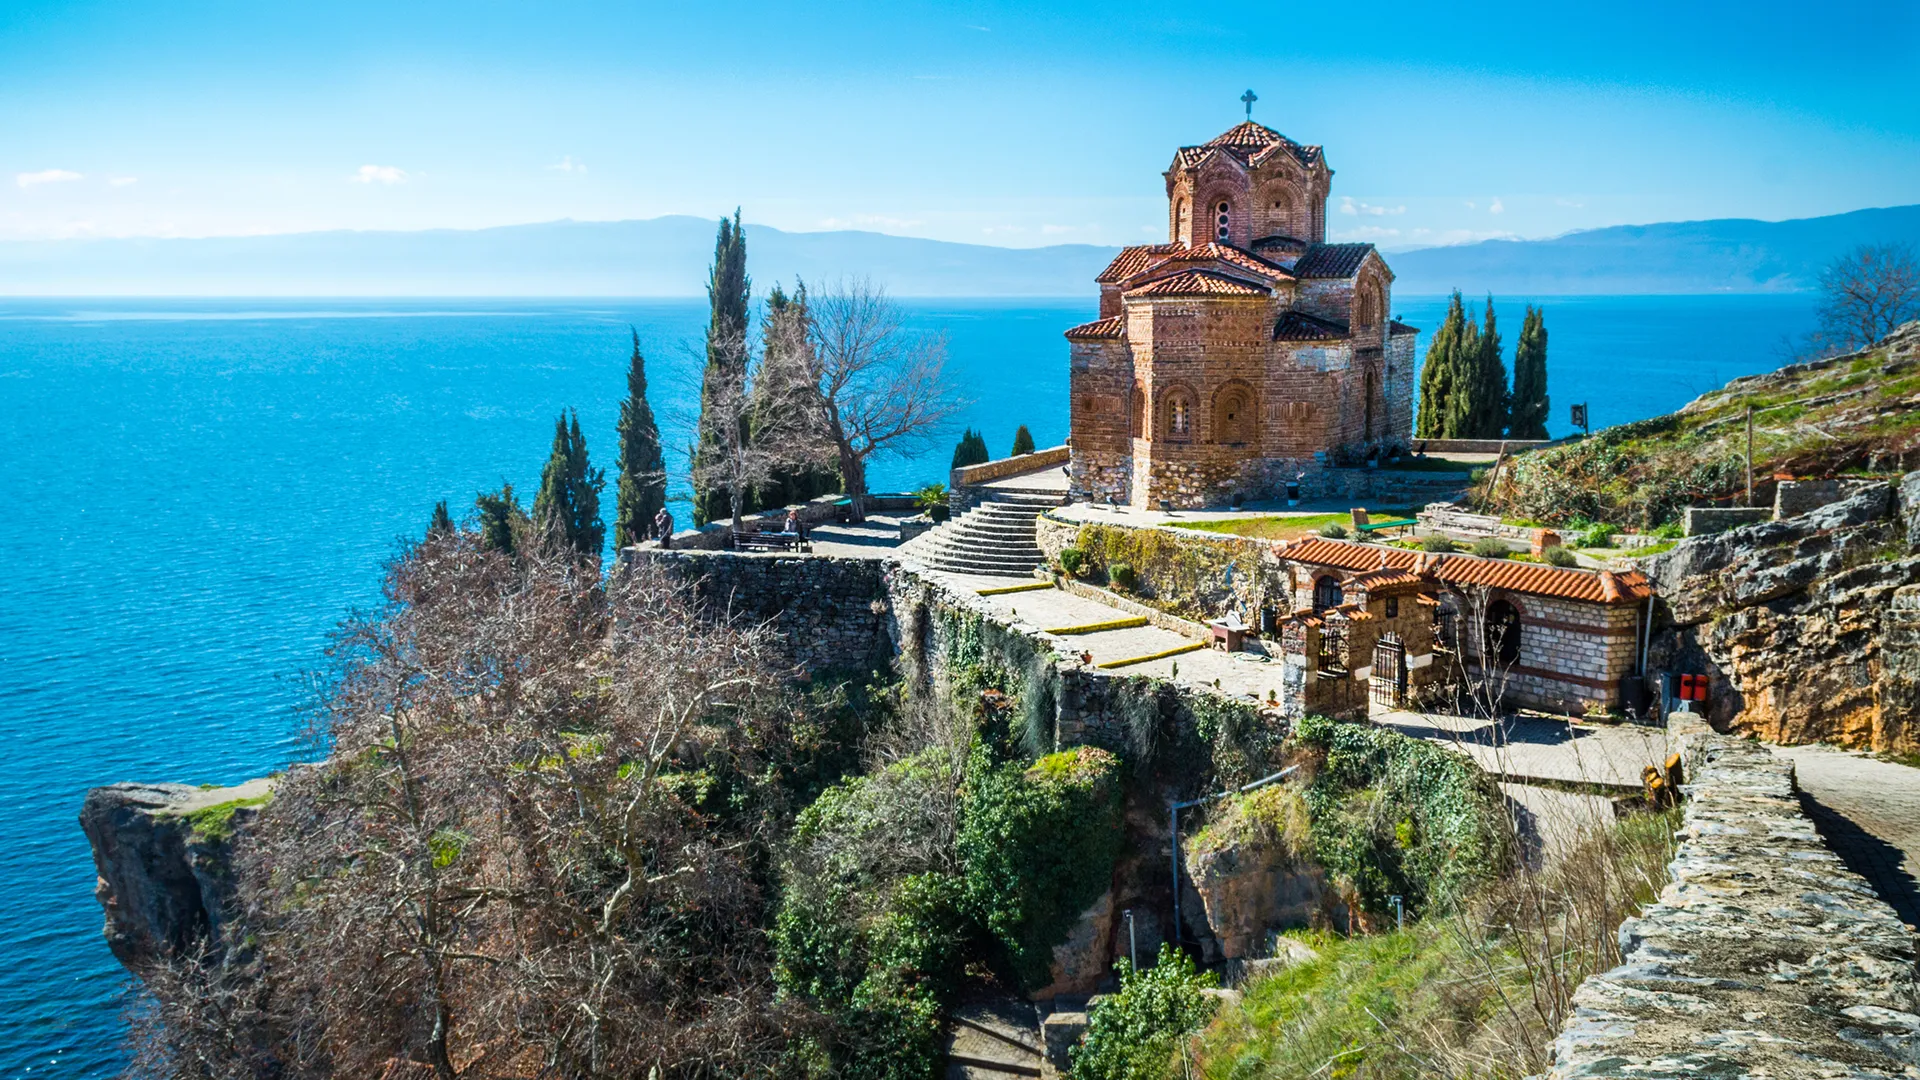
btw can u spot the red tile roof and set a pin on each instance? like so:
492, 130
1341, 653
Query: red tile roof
1395, 327
1227, 253
1250, 142
1113, 326
1132, 260
1603, 587
1198, 283
1338, 261
1299, 326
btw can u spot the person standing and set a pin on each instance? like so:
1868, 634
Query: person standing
663, 527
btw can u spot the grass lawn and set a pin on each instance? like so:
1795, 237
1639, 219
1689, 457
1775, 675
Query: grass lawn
1279, 527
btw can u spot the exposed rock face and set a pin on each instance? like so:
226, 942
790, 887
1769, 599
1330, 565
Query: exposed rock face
1251, 890
1085, 959
1796, 621
164, 882
1763, 957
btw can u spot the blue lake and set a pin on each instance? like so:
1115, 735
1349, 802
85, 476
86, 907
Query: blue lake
200, 488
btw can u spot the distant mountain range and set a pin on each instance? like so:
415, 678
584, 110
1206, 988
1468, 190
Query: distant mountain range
668, 256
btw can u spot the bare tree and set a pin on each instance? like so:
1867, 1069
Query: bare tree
512, 862
763, 428
882, 388
1867, 293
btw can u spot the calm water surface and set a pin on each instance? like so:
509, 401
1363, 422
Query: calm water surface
197, 490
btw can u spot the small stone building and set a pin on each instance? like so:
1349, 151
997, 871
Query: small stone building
1550, 637
1245, 352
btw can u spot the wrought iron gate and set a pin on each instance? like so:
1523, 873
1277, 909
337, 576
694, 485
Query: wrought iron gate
1388, 683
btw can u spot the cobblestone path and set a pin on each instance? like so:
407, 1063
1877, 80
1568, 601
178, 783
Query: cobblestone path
1869, 812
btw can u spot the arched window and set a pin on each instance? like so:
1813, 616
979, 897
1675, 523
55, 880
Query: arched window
1138, 409
1181, 216
1179, 415
1503, 632
1233, 416
1327, 593
1221, 219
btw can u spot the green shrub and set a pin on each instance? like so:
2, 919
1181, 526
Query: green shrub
971, 450
1559, 556
1334, 531
1393, 814
1133, 1034
1072, 559
1600, 535
1022, 442
1488, 547
1671, 530
1121, 575
1038, 844
1438, 544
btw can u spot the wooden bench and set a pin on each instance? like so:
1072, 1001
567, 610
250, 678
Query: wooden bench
769, 541
1362, 523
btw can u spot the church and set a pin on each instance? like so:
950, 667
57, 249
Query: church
1245, 352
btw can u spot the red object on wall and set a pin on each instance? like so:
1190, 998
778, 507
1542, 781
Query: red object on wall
1693, 688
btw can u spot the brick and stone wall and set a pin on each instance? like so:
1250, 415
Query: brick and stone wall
1701, 520
1573, 655
1763, 956
829, 612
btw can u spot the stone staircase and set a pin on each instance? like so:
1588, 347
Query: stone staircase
996, 1040
995, 538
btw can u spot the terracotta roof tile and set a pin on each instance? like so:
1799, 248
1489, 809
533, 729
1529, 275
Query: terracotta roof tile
1604, 587
1227, 253
1395, 327
1132, 260
1198, 283
1249, 142
1299, 326
1338, 261
1289, 244
1386, 577
1113, 326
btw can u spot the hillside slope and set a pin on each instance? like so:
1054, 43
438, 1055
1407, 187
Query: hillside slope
1725, 255
1857, 413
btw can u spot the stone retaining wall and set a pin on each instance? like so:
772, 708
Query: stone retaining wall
1763, 956
968, 475
1701, 520
830, 612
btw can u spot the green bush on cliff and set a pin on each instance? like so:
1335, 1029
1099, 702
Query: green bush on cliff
1395, 815
1134, 1034
1039, 843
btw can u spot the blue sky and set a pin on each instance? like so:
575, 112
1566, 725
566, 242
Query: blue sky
1010, 124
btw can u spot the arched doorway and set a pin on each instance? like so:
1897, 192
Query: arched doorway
1502, 644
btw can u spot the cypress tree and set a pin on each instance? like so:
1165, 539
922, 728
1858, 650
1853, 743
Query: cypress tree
442, 523
1022, 441
1463, 402
640, 484
502, 522
787, 367
568, 502
728, 289
1527, 419
971, 449
1489, 412
1439, 376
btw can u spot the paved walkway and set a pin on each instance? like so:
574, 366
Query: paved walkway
1869, 812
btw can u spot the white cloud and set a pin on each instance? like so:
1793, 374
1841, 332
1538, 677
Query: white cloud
567, 164
1570, 203
1496, 207
383, 174
1348, 206
1471, 205
45, 176
1368, 232
123, 181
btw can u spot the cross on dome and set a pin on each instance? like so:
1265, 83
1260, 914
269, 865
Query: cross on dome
1248, 99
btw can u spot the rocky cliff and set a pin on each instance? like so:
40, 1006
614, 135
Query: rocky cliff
1809, 626
160, 853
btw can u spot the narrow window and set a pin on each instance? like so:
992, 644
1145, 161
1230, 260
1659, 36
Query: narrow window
1221, 220
1181, 422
